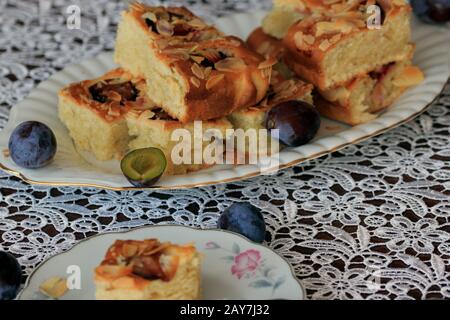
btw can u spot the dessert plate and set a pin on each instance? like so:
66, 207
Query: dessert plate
73, 168
233, 267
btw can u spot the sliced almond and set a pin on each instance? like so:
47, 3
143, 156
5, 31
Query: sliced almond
150, 15
214, 80
129, 250
197, 23
347, 25
207, 72
55, 287
152, 250
325, 45
309, 39
113, 113
197, 71
235, 43
334, 39
299, 40
112, 271
196, 82
164, 28
231, 65
212, 55
268, 63
114, 96
197, 59
177, 54
6, 153
411, 76
146, 115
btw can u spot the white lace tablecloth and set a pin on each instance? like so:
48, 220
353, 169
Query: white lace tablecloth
371, 221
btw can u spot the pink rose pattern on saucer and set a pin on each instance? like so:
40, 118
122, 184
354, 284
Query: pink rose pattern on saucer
251, 266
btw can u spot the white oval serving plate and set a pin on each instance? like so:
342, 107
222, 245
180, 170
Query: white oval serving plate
233, 268
70, 168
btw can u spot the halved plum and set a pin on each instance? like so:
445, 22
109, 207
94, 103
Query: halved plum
144, 167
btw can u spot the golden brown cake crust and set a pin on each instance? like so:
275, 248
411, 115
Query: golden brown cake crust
114, 108
240, 80
185, 26
309, 41
149, 270
219, 74
124, 260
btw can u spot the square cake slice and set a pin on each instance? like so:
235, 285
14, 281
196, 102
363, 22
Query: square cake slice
94, 112
192, 71
329, 49
149, 270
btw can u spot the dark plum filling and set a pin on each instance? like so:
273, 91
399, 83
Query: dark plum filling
101, 92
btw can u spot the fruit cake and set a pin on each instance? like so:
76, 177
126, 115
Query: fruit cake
149, 270
94, 112
281, 90
360, 99
330, 47
154, 128
190, 75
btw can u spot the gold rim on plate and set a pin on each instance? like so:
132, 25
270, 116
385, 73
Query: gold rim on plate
223, 181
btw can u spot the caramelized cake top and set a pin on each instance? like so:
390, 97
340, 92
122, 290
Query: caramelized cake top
331, 21
175, 23
146, 260
111, 96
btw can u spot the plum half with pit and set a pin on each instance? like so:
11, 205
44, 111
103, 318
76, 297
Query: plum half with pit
32, 145
144, 167
297, 121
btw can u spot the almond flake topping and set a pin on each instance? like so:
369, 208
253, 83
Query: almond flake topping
164, 28
231, 65
54, 287
150, 15
146, 115
196, 82
207, 72
114, 96
214, 80
197, 59
268, 63
197, 23
197, 71
325, 45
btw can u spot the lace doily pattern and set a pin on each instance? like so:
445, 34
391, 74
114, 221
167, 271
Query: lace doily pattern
369, 222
